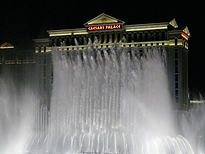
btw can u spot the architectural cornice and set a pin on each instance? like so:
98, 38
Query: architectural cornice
6, 45
135, 27
103, 19
63, 32
143, 27
41, 40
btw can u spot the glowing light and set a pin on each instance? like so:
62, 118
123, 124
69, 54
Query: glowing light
186, 37
104, 27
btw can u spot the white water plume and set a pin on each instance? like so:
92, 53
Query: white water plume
103, 101
16, 118
111, 102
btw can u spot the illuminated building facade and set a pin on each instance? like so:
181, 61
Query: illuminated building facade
17, 65
105, 31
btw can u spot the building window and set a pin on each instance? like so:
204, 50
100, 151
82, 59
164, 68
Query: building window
157, 36
146, 36
108, 38
135, 37
82, 40
176, 77
176, 41
140, 37
62, 40
87, 39
67, 41
39, 59
73, 41
113, 37
102, 38
58, 42
176, 54
39, 50
176, 70
176, 62
176, 93
152, 36
163, 35
44, 48
53, 42
118, 37
129, 37
77, 41
44, 68
176, 85
44, 60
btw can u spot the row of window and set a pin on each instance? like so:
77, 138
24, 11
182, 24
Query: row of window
17, 57
146, 36
176, 61
83, 40
42, 49
109, 37
42, 59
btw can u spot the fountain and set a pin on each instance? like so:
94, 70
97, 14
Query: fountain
16, 116
103, 101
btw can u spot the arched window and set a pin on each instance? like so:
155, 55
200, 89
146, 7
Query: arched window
72, 41
78, 40
151, 36
58, 42
129, 39
135, 37
140, 37
62, 39
157, 36
67, 41
163, 35
146, 36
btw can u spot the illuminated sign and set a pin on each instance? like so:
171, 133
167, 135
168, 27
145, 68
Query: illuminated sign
186, 37
104, 27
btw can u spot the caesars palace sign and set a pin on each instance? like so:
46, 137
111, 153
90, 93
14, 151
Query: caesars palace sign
104, 27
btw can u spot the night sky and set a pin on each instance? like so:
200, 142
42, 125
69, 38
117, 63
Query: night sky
20, 22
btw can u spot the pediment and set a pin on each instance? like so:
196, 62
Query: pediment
186, 30
6, 45
173, 23
103, 19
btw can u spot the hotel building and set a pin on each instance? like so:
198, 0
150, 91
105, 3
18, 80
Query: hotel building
105, 31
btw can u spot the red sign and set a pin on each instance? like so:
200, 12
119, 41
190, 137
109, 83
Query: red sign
104, 27
186, 37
